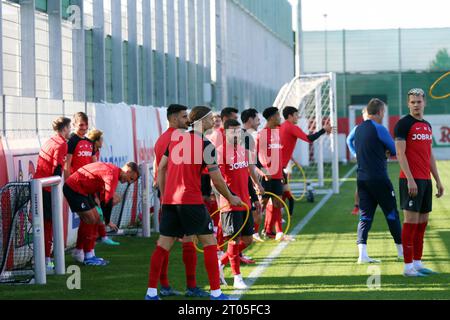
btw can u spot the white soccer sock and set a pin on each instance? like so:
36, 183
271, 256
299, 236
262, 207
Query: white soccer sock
89, 255
152, 292
399, 249
363, 250
105, 238
418, 264
216, 293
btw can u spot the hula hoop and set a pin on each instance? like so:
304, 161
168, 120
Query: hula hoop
287, 210
236, 234
304, 182
434, 86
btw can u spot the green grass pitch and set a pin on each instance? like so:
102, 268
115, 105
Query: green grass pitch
321, 264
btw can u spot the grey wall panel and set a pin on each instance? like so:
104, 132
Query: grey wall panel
28, 47
148, 53
99, 52
160, 65
55, 46
133, 91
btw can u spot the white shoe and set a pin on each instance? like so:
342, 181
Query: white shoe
284, 237
246, 257
239, 283
257, 238
222, 275
413, 273
364, 260
78, 255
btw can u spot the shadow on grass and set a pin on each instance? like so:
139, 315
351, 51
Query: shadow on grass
349, 287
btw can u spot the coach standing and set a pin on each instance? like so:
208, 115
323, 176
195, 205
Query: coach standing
372, 143
414, 140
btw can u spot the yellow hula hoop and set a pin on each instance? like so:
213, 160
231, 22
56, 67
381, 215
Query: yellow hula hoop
237, 233
304, 182
287, 210
434, 86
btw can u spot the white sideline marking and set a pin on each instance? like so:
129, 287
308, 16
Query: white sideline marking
255, 274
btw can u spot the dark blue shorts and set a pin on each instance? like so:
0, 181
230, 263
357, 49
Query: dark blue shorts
374, 193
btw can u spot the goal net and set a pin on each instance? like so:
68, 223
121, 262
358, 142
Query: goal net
16, 237
314, 96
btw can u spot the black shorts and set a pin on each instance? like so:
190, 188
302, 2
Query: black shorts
47, 199
185, 220
232, 222
374, 193
275, 186
78, 202
423, 202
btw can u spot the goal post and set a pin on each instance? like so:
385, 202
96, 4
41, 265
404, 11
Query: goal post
37, 210
315, 97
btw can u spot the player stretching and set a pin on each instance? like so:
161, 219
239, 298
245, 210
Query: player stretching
372, 141
96, 136
51, 163
178, 121
234, 164
289, 133
414, 140
182, 203
92, 179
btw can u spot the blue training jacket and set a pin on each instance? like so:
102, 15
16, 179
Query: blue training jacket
371, 142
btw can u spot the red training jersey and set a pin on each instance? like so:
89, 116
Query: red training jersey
418, 135
82, 150
186, 161
52, 154
234, 166
269, 149
95, 178
289, 133
161, 146
218, 137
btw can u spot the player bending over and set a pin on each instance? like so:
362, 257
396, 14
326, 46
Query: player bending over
90, 180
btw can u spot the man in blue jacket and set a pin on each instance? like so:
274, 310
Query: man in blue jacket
373, 145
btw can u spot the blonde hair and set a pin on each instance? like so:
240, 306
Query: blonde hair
95, 135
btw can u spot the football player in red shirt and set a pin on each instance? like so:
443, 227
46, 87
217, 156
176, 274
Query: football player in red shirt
414, 141
90, 180
289, 134
51, 163
217, 137
235, 166
184, 212
96, 136
269, 151
251, 122
81, 153
178, 121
